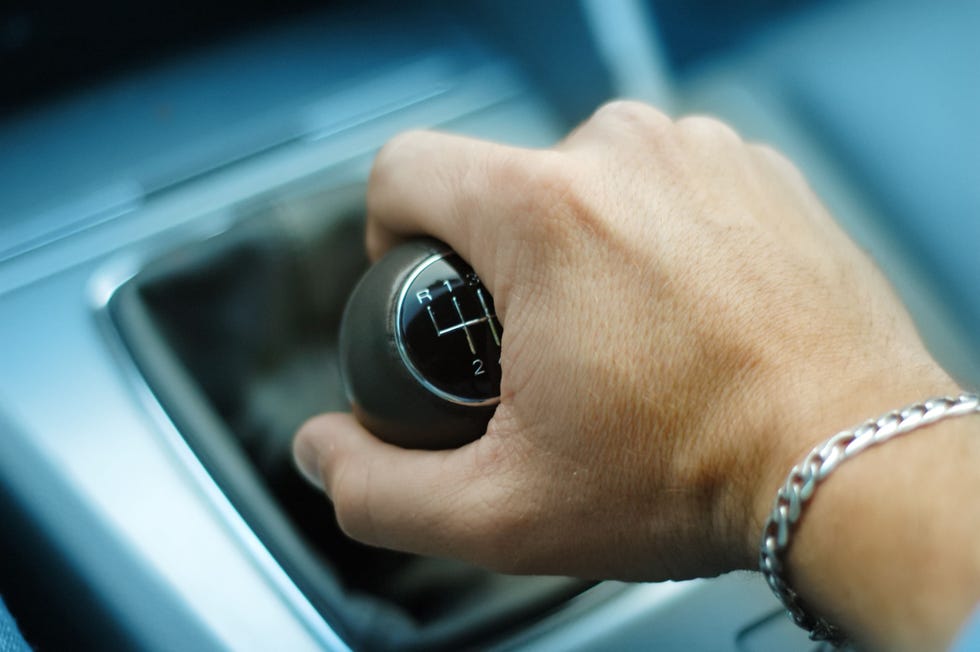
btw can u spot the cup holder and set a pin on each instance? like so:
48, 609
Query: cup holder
236, 336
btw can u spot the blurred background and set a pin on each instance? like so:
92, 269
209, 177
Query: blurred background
883, 94
181, 190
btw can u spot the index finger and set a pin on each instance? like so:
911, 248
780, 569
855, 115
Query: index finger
443, 185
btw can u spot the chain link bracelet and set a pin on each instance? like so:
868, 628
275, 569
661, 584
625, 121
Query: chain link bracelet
804, 478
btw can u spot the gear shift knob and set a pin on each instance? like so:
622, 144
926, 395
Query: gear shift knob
420, 348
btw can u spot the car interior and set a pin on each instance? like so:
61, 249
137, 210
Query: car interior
181, 224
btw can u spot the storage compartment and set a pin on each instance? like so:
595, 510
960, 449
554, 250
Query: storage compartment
236, 336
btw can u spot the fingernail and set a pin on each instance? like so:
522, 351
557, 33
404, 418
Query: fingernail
308, 462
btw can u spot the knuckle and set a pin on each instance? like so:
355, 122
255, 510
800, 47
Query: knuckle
776, 159
772, 155
707, 128
396, 152
400, 144
630, 113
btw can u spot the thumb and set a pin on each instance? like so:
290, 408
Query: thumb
427, 502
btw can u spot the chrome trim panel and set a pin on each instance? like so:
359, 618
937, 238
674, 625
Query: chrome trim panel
101, 290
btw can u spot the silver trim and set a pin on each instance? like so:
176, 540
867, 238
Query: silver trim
407, 283
102, 288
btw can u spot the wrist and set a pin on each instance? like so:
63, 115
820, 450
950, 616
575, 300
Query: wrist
884, 550
797, 427
848, 534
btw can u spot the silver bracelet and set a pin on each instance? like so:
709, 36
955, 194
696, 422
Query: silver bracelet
804, 478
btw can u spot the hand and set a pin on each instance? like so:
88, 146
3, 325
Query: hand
683, 321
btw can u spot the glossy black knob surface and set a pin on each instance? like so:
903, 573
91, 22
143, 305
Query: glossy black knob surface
420, 348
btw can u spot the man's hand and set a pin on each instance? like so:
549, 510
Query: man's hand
681, 319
